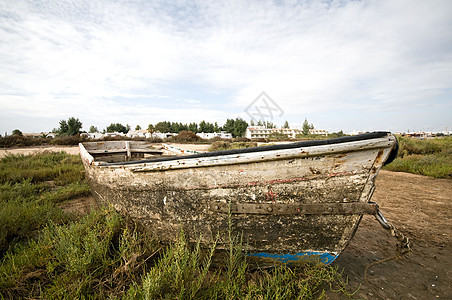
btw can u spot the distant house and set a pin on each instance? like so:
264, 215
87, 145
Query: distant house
318, 132
138, 134
93, 135
113, 134
146, 134
211, 135
163, 135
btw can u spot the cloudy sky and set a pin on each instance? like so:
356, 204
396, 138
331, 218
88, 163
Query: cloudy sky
350, 65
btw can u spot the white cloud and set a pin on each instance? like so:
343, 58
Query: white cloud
123, 61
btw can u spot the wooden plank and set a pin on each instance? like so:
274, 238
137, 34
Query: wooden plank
123, 151
129, 155
350, 208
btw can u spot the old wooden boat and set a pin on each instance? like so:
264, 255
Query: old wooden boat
291, 201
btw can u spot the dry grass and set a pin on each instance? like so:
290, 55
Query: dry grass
429, 157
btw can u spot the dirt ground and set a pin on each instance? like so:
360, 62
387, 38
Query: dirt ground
421, 208
34, 150
79, 206
194, 147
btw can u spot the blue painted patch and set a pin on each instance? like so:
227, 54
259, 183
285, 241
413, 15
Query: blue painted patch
323, 257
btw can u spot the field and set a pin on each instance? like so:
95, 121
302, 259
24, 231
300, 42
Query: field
421, 207
50, 250
55, 242
431, 157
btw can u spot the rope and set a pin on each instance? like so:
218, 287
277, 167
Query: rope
403, 247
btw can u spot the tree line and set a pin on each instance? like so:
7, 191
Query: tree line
236, 127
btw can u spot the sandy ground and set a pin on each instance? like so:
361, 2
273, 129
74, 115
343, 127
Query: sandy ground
194, 147
34, 150
421, 208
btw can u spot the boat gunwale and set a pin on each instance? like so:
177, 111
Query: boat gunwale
302, 144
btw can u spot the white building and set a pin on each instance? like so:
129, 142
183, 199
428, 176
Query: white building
318, 131
257, 132
93, 135
138, 133
211, 135
163, 135
114, 134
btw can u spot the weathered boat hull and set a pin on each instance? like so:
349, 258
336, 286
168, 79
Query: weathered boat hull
302, 201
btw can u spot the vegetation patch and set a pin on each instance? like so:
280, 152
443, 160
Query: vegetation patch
48, 254
278, 136
227, 145
429, 157
30, 188
185, 137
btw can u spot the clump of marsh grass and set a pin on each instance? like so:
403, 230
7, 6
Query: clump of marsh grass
59, 167
227, 145
182, 272
429, 157
97, 256
30, 188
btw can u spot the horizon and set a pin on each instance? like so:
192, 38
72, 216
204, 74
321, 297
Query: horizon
342, 65
132, 128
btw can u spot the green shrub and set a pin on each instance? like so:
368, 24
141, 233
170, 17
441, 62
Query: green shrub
56, 166
21, 219
226, 145
185, 136
429, 157
278, 136
30, 188
240, 139
83, 246
409, 146
220, 145
437, 166
68, 140
20, 141
180, 273
66, 259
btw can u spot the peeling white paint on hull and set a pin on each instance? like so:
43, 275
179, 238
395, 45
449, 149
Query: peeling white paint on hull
289, 201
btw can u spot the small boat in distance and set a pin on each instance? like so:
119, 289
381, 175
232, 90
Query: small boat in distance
301, 200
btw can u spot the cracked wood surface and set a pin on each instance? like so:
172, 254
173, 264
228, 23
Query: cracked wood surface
167, 196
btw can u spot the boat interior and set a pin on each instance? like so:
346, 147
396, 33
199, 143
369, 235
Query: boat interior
129, 152
125, 151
